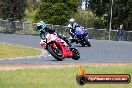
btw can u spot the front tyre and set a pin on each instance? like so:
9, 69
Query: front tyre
76, 54
54, 54
82, 43
88, 44
87, 41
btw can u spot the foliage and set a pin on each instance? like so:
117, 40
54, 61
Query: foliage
29, 15
122, 12
85, 18
12, 9
32, 5
99, 8
56, 11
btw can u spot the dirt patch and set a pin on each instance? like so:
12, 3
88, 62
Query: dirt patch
15, 67
23, 66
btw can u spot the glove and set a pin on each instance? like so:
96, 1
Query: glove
42, 43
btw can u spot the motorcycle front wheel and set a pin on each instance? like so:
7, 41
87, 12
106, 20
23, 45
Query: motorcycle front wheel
54, 52
87, 41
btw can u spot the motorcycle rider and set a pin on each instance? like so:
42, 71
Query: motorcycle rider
74, 29
43, 29
72, 26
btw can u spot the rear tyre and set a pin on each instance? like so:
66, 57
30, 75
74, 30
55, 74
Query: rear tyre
76, 54
54, 54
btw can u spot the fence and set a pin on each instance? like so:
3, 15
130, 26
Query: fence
30, 28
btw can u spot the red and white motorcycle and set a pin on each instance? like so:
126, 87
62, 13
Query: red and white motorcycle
58, 48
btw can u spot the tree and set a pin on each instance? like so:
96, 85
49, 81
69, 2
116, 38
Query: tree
128, 21
12, 9
122, 11
99, 7
32, 5
85, 18
56, 11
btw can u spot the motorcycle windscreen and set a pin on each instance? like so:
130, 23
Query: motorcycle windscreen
79, 31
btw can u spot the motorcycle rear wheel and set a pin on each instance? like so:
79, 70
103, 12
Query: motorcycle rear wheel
76, 54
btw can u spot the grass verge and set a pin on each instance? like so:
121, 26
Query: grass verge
13, 51
61, 77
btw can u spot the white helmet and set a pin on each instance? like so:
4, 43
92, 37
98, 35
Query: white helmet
72, 20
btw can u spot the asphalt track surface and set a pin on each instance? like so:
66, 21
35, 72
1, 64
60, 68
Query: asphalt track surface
102, 51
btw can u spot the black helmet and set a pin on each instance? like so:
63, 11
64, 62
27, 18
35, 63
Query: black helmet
51, 30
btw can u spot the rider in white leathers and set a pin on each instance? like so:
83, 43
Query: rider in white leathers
72, 26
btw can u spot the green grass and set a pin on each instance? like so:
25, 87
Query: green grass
58, 77
13, 51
